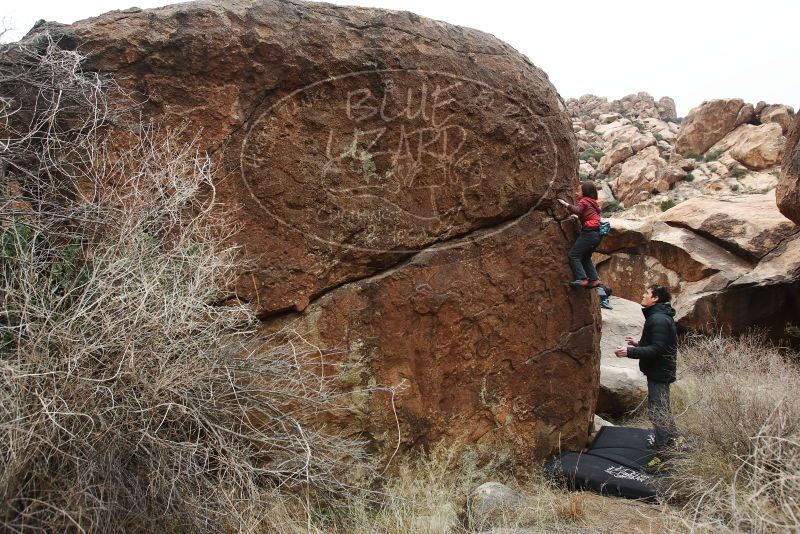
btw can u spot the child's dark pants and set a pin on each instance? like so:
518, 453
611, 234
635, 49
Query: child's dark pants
580, 255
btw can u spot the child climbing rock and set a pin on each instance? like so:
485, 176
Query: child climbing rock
580, 255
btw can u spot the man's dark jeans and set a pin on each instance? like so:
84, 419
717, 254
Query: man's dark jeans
660, 413
580, 255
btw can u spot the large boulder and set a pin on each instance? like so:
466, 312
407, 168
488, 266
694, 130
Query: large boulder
750, 226
778, 114
476, 329
731, 262
639, 176
709, 122
788, 190
621, 140
393, 178
755, 147
666, 109
625, 233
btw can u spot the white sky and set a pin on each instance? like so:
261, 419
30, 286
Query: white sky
691, 50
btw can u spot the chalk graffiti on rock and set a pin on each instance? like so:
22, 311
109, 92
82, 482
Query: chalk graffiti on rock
415, 145
390, 160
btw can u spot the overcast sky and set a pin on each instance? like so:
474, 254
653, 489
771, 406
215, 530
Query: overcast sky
691, 50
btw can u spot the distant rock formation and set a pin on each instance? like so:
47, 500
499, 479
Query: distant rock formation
788, 190
710, 122
644, 159
733, 263
393, 178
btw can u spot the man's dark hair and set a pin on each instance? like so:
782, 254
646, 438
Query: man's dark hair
660, 292
588, 189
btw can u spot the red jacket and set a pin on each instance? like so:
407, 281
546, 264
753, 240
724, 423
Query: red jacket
588, 211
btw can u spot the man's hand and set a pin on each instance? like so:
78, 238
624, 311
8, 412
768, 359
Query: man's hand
563, 202
621, 352
632, 342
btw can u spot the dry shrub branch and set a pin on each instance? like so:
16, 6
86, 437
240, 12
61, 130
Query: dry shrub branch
739, 408
130, 399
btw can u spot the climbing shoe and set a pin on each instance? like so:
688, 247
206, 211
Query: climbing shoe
605, 304
579, 283
595, 283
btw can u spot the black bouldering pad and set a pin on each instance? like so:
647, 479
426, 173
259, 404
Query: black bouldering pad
626, 446
613, 465
585, 471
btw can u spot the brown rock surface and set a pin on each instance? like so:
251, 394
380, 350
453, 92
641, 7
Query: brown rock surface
666, 109
782, 115
476, 328
748, 226
787, 192
629, 273
639, 176
391, 176
709, 122
626, 233
766, 296
755, 147
337, 168
691, 256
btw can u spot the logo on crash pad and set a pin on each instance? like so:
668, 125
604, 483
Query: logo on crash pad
393, 160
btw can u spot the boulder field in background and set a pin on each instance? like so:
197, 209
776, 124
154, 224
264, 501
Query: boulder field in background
642, 157
393, 178
732, 263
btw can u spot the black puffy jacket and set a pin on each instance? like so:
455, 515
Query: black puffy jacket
658, 347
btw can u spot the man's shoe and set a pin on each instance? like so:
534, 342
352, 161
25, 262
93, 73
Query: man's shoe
605, 304
579, 283
595, 283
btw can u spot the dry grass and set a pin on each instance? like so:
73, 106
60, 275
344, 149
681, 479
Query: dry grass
737, 404
431, 494
131, 398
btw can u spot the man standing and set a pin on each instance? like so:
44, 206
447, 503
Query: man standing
656, 351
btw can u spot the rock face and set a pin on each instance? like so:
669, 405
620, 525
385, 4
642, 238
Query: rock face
732, 263
475, 327
393, 177
666, 109
748, 226
755, 147
781, 115
640, 175
709, 122
622, 385
788, 190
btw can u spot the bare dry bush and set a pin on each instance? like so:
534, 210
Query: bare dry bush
738, 407
130, 398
